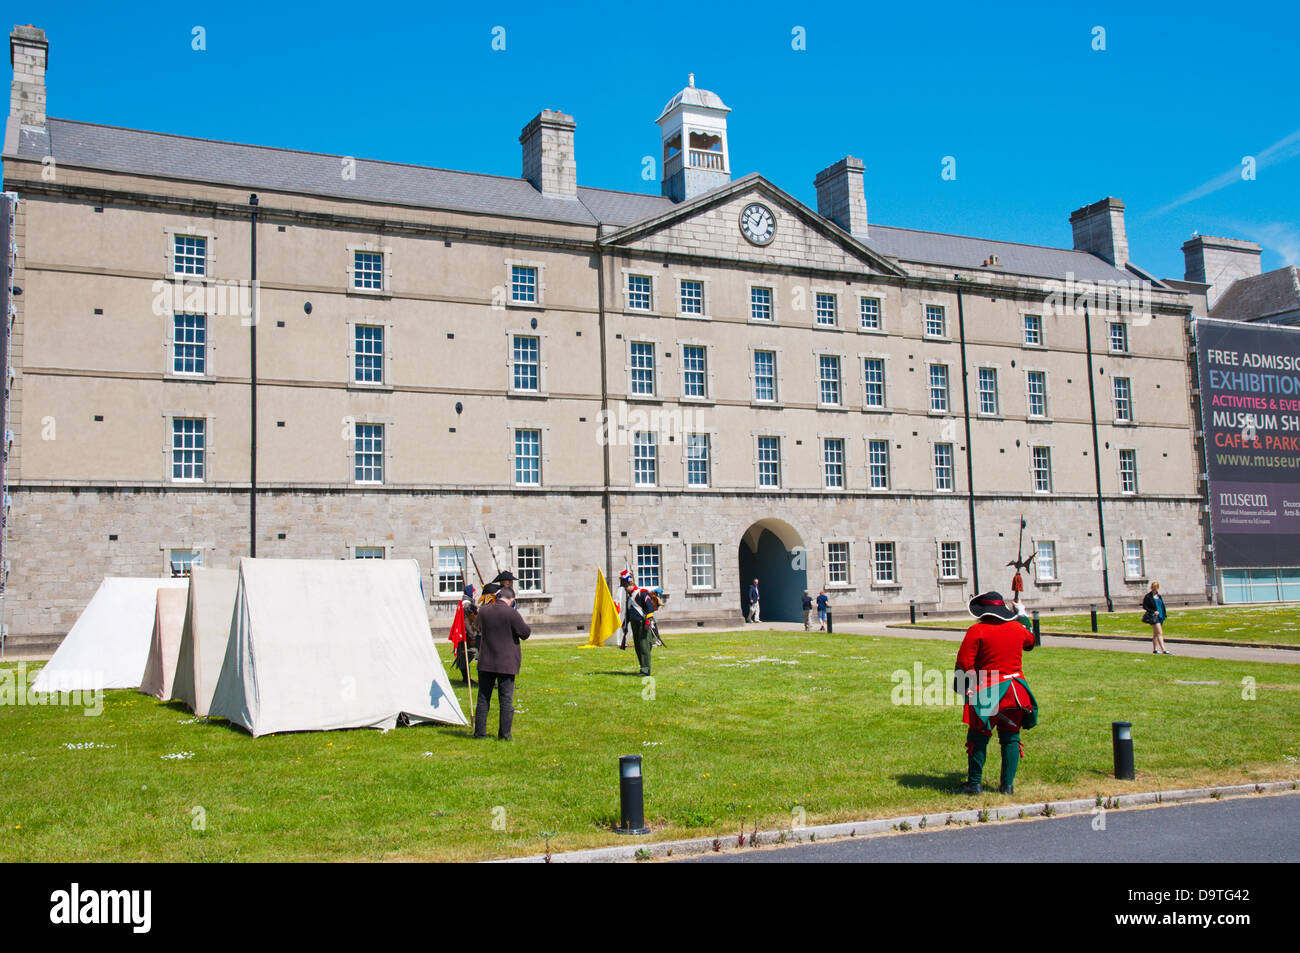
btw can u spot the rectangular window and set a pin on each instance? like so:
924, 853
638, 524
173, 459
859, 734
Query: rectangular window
368, 270
647, 566
1119, 337
936, 321
701, 565
189, 443
769, 461
1042, 465
765, 375
692, 297
884, 564
368, 552
1045, 565
837, 563
189, 343
451, 565
368, 453
1123, 399
950, 560
833, 460
869, 312
828, 380
1128, 471
873, 369
639, 293
695, 371
645, 459
1134, 564
939, 388
523, 284
528, 458
878, 464
643, 368
528, 569
1033, 330
182, 561
760, 304
825, 310
988, 384
1037, 389
189, 255
525, 355
697, 459
943, 473
368, 354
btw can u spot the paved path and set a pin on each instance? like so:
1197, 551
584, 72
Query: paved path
1251, 829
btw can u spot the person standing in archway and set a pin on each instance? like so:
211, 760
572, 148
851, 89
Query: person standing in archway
753, 603
823, 604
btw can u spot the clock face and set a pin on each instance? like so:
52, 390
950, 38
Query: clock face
758, 224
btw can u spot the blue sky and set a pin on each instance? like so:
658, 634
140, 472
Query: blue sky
1038, 121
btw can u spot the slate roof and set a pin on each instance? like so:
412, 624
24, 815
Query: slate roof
1261, 297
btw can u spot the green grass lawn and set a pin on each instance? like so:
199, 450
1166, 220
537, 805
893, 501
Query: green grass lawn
1276, 624
743, 728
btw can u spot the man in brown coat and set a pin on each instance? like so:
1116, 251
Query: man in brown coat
501, 628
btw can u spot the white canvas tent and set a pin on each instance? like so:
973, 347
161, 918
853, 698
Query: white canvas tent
109, 644
160, 670
204, 635
317, 645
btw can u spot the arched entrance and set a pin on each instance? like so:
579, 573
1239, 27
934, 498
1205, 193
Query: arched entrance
772, 552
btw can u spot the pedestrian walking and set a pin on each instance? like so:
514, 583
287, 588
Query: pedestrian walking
753, 603
823, 603
1154, 615
807, 609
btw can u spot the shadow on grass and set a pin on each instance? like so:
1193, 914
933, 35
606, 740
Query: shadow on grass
633, 674
944, 783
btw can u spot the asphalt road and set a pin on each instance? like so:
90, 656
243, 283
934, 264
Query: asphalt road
1251, 829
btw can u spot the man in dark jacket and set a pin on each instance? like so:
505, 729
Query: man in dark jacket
501, 628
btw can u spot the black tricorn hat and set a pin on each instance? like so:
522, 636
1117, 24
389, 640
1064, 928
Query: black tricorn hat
991, 605
492, 588
504, 576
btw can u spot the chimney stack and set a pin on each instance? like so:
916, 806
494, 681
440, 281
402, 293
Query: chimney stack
29, 54
1218, 262
549, 162
842, 196
1099, 228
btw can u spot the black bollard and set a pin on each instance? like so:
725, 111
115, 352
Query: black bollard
830, 622
1038, 639
631, 798
1121, 740
1094, 617
911, 605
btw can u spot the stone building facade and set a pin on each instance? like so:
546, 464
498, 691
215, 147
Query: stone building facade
223, 350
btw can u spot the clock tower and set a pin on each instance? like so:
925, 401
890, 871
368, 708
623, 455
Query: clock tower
693, 127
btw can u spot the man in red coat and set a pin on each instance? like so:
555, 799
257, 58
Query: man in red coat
997, 695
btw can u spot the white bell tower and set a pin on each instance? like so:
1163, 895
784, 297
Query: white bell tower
693, 127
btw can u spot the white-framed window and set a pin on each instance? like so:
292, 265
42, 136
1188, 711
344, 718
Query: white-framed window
1123, 391
950, 559
189, 449
824, 307
451, 565
523, 284
367, 354
1045, 564
869, 313
838, 564
645, 458
936, 321
640, 293
884, 563
180, 562
1036, 388
692, 296
1033, 330
190, 344
1118, 337
1042, 468
878, 464
695, 371
525, 363
943, 468
769, 461
701, 565
1128, 471
648, 565
529, 566
829, 392
765, 376
642, 356
189, 255
873, 375
938, 388
368, 453
833, 462
760, 303
1134, 560
988, 391
528, 457
368, 270
368, 552
697, 459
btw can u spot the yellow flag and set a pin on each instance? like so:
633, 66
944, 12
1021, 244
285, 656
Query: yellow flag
605, 620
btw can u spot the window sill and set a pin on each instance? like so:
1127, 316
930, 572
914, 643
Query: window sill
872, 409
526, 305
841, 587
938, 413
190, 378
766, 322
370, 292
827, 327
1046, 582
878, 331
768, 404
1038, 420
641, 312
886, 585
838, 407
694, 317
1125, 423
528, 394
952, 582
702, 592
982, 416
1033, 347
643, 399
939, 338
702, 401
359, 386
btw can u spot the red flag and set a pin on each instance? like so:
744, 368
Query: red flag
457, 634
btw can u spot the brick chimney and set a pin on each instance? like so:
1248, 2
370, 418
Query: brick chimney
1218, 262
1099, 228
29, 52
842, 196
549, 161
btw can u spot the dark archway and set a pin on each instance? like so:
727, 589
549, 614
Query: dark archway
772, 552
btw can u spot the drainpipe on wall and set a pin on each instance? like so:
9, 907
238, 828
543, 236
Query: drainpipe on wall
252, 379
1096, 457
970, 450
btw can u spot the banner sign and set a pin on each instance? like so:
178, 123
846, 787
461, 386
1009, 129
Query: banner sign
1250, 409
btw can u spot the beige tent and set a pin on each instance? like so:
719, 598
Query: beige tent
161, 667
204, 635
